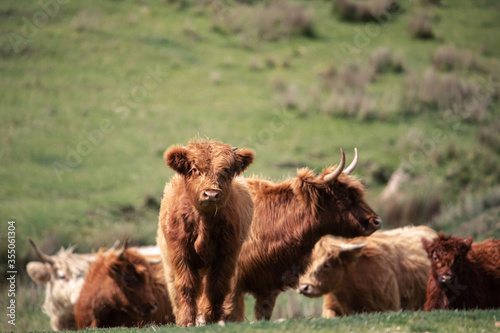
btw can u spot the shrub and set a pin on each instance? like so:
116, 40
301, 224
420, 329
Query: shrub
467, 208
408, 202
269, 21
487, 135
421, 26
448, 58
353, 76
466, 98
383, 61
364, 11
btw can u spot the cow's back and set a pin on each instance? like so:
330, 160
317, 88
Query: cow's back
378, 261
414, 266
485, 257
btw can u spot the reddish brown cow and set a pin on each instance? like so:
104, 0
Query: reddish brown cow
463, 275
289, 218
204, 218
122, 289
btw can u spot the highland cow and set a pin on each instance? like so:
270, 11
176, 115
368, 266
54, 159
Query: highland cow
463, 275
63, 275
387, 271
122, 288
289, 217
205, 215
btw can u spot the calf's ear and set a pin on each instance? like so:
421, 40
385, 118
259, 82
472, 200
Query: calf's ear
244, 157
426, 244
38, 272
177, 158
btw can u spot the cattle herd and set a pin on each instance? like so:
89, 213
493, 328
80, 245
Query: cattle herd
221, 235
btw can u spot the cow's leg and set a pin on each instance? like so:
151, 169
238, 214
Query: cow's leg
188, 287
264, 305
218, 285
172, 291
436, 297
234, 305
331, 307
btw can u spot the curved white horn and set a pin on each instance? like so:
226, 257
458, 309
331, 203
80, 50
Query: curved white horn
121, 254
350, 247
353, 164
43, 257
155, 262
113, 248
330, 178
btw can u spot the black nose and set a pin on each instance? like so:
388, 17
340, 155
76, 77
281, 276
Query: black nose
304, 288
211, 195
377, 222
154, 307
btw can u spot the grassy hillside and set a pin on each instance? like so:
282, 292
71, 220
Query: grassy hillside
94, 92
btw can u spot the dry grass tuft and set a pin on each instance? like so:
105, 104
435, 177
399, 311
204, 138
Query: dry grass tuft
449, 58
421, 26
267, 21
364, 11
446, 92
383, 61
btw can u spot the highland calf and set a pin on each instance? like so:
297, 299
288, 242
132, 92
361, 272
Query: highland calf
386, 271
205, 215
463, 275
62, 275
123, 289
289, 217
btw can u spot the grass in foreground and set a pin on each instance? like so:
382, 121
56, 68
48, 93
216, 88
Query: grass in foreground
407, 321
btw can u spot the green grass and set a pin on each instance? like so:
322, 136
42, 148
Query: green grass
82, 82
406, 321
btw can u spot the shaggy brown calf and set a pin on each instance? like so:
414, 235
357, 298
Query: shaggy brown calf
386, 271
122, 289
463, 275
62, 275
289, 217
204, 218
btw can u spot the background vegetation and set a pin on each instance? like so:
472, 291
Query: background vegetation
94, 92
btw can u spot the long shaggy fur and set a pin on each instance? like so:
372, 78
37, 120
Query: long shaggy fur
388, 274
289, 217
123, 291
463, 275
63, 281
201, 238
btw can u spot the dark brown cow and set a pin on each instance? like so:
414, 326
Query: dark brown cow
204, 218
463, 275
387, 271
121, 288
289, 218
